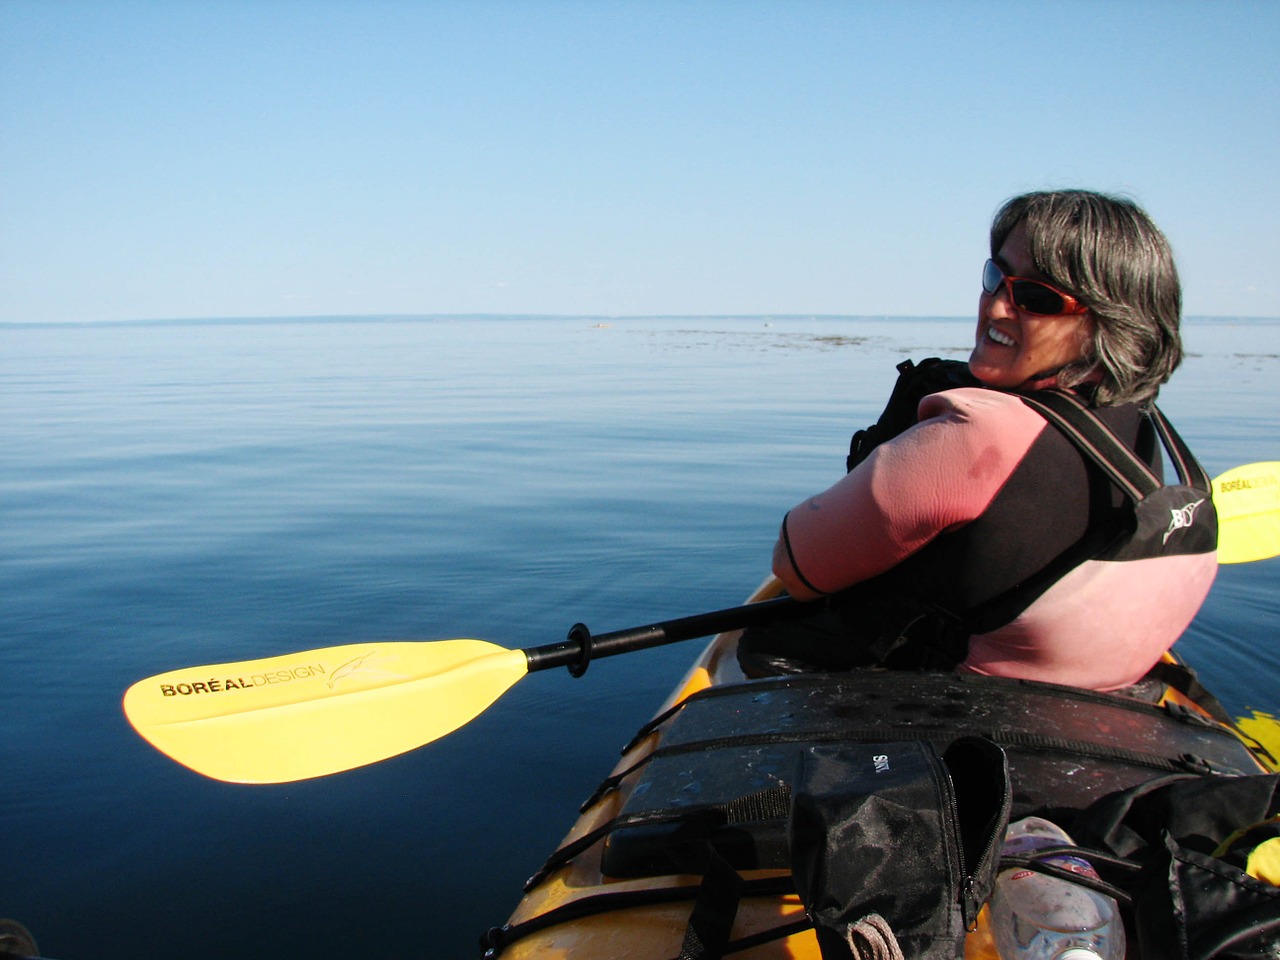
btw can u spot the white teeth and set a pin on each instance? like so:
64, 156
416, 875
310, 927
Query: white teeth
1001, 338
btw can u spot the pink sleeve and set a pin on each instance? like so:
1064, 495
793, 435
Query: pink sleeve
941, 473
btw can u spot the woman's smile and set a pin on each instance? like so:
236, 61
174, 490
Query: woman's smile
1001, 337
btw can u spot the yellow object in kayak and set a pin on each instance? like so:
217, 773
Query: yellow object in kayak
1264, 861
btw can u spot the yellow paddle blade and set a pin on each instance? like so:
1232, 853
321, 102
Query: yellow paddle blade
310, 714
1248, 503
1265, 728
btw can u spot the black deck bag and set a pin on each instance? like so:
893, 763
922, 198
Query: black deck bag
1192, 900
899, 831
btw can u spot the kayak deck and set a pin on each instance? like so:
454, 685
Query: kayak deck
712, 770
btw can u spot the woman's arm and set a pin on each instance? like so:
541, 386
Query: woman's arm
941, 473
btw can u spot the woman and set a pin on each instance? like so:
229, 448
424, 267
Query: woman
963, 534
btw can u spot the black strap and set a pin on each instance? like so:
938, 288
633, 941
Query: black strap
498, 938
1040, 861
711, 921
780, 932
1184, 461
1186, 681
1096, 441
767, 804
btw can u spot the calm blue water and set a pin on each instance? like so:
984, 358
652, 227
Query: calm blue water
185, 494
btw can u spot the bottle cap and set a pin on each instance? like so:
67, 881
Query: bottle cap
1078, 953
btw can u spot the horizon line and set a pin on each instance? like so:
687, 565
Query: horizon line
421, 317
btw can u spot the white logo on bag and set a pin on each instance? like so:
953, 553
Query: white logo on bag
1180, 518
881, 762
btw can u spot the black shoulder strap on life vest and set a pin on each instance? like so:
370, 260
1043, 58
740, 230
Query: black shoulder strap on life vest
1189, 469
1096, 440
1141, 487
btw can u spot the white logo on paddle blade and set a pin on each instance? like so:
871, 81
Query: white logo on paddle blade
361, 665
1180, 518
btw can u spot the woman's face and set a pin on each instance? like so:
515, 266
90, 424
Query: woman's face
1015, 348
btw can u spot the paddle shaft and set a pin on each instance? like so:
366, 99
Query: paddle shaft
578, 649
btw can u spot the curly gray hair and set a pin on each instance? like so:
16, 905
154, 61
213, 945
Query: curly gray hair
1108, 254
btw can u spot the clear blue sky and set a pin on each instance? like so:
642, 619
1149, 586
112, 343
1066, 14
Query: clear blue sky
283, 157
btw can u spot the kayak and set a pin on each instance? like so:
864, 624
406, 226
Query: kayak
711, 770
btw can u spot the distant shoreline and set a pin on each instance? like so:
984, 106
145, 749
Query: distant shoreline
490, 317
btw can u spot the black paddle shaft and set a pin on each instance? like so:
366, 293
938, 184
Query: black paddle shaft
580, 647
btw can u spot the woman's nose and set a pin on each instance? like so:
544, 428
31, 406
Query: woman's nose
998, 305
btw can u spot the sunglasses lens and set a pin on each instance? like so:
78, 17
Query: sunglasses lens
1037, 298
991, 277
1029, 295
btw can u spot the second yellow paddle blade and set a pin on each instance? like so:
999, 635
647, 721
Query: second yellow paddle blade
310, 714
1248, 503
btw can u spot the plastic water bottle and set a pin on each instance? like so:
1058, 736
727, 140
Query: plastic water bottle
1038, 917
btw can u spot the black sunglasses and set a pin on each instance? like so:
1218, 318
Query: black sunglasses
1032, 296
